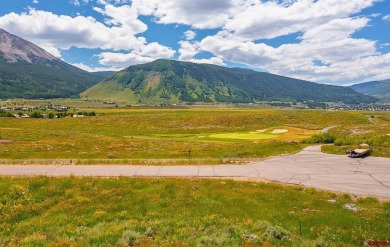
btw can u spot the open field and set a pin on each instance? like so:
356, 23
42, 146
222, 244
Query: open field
213, 135
176, 212
376, 134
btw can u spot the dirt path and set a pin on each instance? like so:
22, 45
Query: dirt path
372, 120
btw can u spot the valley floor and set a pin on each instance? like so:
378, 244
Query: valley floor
72, 205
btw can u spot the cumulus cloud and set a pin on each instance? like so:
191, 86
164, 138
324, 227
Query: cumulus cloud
115, 2
322, 52
189, 35
94, 69
325, 50
267, 20
213, 60
50, 30
330, 44
60, 32
79, 2
188, 50
53, 51
148, 53
125, 17
198, 14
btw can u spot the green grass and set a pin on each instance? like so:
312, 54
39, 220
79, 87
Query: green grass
376, 135
176, 212
136, 134
244, 136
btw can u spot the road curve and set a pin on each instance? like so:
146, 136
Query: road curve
365, 177
329, 128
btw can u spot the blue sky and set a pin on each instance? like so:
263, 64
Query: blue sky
327, 41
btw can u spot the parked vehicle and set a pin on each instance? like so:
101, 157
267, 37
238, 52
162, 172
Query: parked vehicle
362, 151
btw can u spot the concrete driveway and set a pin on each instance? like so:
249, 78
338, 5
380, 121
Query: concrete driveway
366, 177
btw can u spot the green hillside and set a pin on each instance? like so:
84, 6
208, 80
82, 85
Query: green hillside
25, 80
164, 81
378, 89
28, 71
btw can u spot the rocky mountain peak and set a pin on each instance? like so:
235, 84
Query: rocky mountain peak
15, 49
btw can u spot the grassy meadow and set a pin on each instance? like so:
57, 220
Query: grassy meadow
73, 211
376, 134
212, 135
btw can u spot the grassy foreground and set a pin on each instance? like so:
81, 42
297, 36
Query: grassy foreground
167, 134
174, 212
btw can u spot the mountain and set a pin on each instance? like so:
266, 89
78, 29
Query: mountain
104, 73
165, 81
378, 89
28, 71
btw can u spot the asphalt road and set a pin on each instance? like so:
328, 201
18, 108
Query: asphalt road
365, 177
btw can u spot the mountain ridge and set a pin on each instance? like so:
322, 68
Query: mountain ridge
170, 81
28, 71
15, 49
378, 89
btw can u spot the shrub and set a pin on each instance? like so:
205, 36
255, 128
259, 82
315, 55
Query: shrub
275, 232
36, 115
130, 238
321, 138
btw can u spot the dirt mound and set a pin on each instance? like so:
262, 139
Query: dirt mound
5, 142
258, 131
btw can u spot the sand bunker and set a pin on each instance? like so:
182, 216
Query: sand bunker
258, 131
388, 134
279, 131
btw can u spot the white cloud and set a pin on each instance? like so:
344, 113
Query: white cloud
386, 18
267, 20
60, 32
116, 2
148, 53
375, 15
325, 51
49, 30
125, 18
53, 51
189, 35
79, 2
198, 14
35, 1
213, 60
122, 59
95, 69
189, 50
330, 43
75, 2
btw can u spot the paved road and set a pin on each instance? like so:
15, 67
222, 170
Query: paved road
329, 128
310, 167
